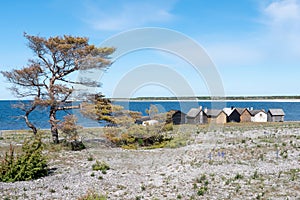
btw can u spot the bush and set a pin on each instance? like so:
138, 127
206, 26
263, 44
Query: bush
238, 176
30, 164
92, 196
168, 127
102, 166
69, 129
202, 190
138, 136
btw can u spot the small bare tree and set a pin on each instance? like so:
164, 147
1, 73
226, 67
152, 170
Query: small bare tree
26, 83
48, 76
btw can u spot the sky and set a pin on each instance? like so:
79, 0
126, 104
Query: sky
253, 44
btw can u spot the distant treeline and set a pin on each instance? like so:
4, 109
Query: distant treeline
218, 98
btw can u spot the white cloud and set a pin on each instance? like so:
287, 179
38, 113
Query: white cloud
276, 43
284, 11
127, 14
282, 19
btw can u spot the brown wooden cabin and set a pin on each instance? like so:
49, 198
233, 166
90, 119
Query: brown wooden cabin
235, 115
276, 115
216, 116
245, 116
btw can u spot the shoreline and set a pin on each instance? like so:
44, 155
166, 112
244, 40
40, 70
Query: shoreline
189, 100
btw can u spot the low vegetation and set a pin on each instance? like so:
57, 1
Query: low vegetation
70, 132
92, 195
101, 166
138, 136
29, 164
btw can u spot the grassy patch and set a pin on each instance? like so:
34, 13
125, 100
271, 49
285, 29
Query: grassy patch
91, 195
102, 166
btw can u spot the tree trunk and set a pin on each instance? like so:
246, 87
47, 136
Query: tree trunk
53, 124
30, 125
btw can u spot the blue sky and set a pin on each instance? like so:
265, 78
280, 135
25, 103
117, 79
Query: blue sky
254, 44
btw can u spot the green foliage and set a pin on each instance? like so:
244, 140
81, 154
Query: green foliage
92, 196
138, 136
168, 127
102, 166
101, 109
201, 191
90, 158
30, 164
143, 187
201, 179
238, 176
176, 142
255, 175
284, 154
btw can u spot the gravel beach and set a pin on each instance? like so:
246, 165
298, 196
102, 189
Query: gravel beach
257, 162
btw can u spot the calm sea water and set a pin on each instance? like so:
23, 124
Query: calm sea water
10, 120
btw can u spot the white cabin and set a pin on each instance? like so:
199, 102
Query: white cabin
258, 116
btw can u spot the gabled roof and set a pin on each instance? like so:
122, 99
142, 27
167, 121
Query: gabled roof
240, 110
254, 112
193, 112
228, 111
173, 112
276, 112
213, 112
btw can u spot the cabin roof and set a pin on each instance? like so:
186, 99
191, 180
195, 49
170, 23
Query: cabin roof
255, 112
144, 118
276, 112
228, 111
193, 112
213, 112
173, 112
240, 110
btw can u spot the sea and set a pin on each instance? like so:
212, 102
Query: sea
10, 117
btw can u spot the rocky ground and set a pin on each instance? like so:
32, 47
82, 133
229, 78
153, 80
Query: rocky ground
234, 162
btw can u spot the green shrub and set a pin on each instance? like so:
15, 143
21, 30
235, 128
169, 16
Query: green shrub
102, 166
138, 136
92, 196
30, 164
202, 190
168, 127
176, 142
90, 158
255, 175
238, 176
201, 179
